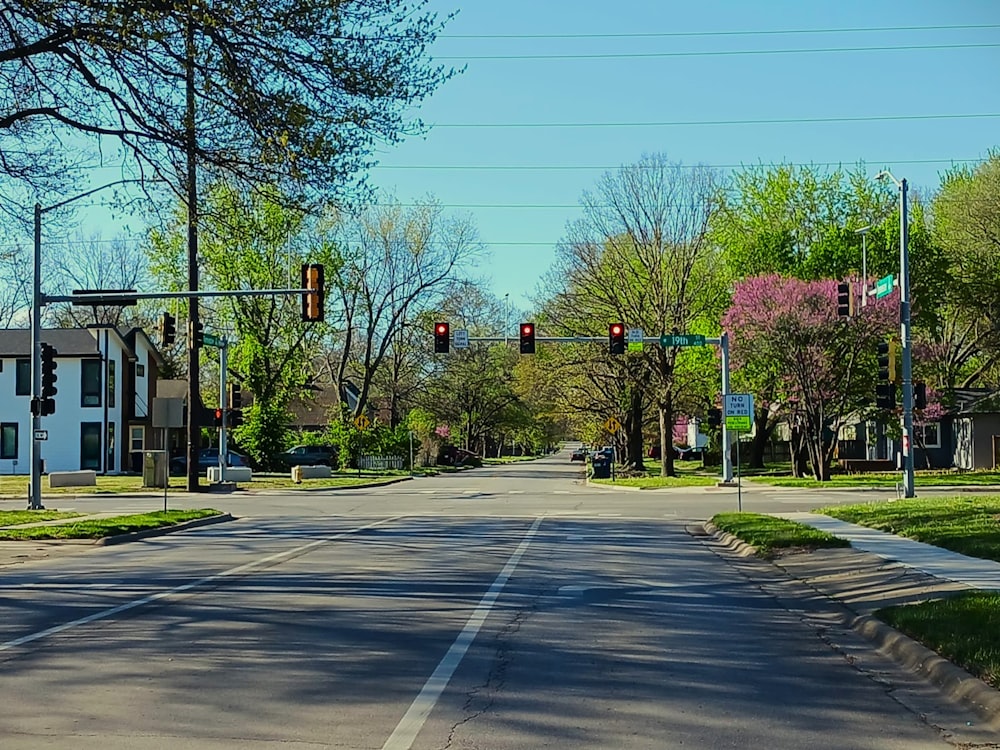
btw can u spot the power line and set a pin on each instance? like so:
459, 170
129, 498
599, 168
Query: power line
681, 34
702, 123
592, 167
717, 53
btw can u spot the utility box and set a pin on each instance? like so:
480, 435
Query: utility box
155, 469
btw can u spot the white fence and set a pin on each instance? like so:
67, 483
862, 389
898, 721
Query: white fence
381, 463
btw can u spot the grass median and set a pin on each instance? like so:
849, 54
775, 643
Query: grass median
770, 534
689, 474
923, 478
98, 528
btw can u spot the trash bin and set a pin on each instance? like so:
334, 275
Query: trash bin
601, 468
154, 469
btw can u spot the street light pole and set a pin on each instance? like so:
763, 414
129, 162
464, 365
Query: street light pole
905, 335
35, 343
864, 263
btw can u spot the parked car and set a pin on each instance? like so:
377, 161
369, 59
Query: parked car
207, 457
309, 455
580, 454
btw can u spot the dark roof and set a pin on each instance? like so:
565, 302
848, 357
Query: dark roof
68, 342
979, 400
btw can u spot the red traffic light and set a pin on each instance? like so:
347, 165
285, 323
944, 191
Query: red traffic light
616, 330
527, 338
442, 338
616, 338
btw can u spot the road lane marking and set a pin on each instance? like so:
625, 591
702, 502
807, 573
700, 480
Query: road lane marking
240, 569
413, 720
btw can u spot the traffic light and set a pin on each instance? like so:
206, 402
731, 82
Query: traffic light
894, 374
235, 418
714, 417
217, 418
198, 335
442, 338
312, 300
49, 377
235, 396
885, 390
168, 329
845, 299
616, 338
527, 338
919, 395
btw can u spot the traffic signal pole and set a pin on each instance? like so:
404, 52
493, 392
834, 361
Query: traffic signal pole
224, 404
35, 452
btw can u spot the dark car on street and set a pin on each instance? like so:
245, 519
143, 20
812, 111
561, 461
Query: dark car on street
309, 455
580, 454
207, 457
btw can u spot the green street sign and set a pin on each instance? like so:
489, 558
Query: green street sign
211, 340
682, 339
883, 287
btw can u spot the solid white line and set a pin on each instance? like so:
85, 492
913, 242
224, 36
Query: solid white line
413, 720
106, 613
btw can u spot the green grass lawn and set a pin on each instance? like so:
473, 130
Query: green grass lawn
104, 527
689, 474
14, 517
769, 533
968, 525
927, 478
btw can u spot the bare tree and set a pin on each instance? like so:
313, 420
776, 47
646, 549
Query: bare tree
98, 263
395, 264
641, 256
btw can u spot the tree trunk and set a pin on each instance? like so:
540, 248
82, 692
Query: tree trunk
667, 468
800, 456
634, 457
761, 435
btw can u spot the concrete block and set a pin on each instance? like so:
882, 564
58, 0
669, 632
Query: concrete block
83, 478
233, 474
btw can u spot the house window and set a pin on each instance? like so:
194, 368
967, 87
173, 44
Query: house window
109, 464
930, 434
8, 440
23, 377
137, 439
90, 445
140, 371
90, 383
111, 382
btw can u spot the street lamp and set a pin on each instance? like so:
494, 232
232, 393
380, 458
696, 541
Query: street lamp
35, 343
864, 263
904, 334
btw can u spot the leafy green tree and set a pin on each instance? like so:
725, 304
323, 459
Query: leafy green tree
252, 241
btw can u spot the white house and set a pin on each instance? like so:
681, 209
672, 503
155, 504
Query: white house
105, 382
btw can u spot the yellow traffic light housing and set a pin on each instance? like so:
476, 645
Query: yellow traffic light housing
314, 296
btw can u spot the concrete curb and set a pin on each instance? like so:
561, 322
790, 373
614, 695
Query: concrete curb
950, 678
273, 490
135, 536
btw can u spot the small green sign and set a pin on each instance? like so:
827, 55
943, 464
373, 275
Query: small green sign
883, 287
682, 339
211, 340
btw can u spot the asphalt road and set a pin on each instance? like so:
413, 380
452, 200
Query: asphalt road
501, 608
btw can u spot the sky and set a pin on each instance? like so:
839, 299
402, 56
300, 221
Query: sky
556, 92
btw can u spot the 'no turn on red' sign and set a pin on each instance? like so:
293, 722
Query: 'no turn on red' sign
738, 409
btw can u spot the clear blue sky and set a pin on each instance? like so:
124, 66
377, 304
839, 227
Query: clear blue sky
486, 156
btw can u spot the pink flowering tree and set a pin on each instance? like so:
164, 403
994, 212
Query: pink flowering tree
812, 368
